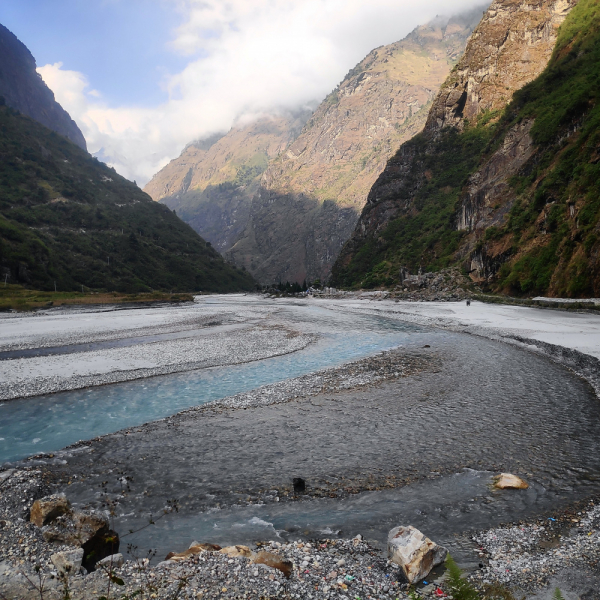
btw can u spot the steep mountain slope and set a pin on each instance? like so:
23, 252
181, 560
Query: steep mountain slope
212, 182
448, 193
69, 219
312, 194
532, 210
23, 89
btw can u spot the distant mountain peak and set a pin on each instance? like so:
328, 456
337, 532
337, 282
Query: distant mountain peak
24, 90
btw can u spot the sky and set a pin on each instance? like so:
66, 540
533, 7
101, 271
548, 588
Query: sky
143, 78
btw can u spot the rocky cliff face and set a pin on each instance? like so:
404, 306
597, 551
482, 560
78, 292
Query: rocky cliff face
511, 46
455, 176
312, 194
530, 212
211, 184
23, 89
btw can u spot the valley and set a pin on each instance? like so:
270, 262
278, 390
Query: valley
336, 348
290, 196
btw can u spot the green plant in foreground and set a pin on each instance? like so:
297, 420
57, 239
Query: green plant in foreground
459, 587
413, 595
557, 595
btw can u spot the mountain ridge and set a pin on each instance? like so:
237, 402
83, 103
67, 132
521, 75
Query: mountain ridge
68, 220
288, 219
312, 194
445, 196
24, 90
212, 182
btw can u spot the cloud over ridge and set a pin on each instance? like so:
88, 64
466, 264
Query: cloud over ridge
246, 57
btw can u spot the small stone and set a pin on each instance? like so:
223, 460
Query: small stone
114, 560
48, 509
508, 481
197, 549
274, 561
237, 551
299, 485
68, 562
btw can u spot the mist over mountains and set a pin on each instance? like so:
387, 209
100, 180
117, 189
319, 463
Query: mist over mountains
284, 213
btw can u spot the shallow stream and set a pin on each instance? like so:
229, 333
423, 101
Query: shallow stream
48, 423
489, 407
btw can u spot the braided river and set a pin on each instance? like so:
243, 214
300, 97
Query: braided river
480, 408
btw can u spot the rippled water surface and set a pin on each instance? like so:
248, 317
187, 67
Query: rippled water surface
487, 407
48, 423
445, 509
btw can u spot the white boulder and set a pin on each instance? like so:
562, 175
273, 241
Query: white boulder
415, 553
508, 481
68, 562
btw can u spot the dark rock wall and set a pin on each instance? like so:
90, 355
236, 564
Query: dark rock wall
24, 90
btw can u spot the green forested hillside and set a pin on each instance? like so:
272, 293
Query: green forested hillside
538, 232
553, 225
67, 218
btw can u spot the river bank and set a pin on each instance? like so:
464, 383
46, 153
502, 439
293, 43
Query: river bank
530, 559
569, 338
61, 350
369, 427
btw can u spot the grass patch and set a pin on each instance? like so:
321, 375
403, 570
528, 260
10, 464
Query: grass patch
16, 297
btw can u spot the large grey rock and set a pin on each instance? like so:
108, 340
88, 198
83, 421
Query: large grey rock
415, 553
68, 562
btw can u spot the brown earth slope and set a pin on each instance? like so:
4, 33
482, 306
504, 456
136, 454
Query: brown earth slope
419, 209
211, 184
313, 192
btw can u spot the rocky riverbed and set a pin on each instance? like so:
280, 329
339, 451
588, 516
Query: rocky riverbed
70, 349
532, 558
403, 416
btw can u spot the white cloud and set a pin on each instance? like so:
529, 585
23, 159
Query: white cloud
245, 57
